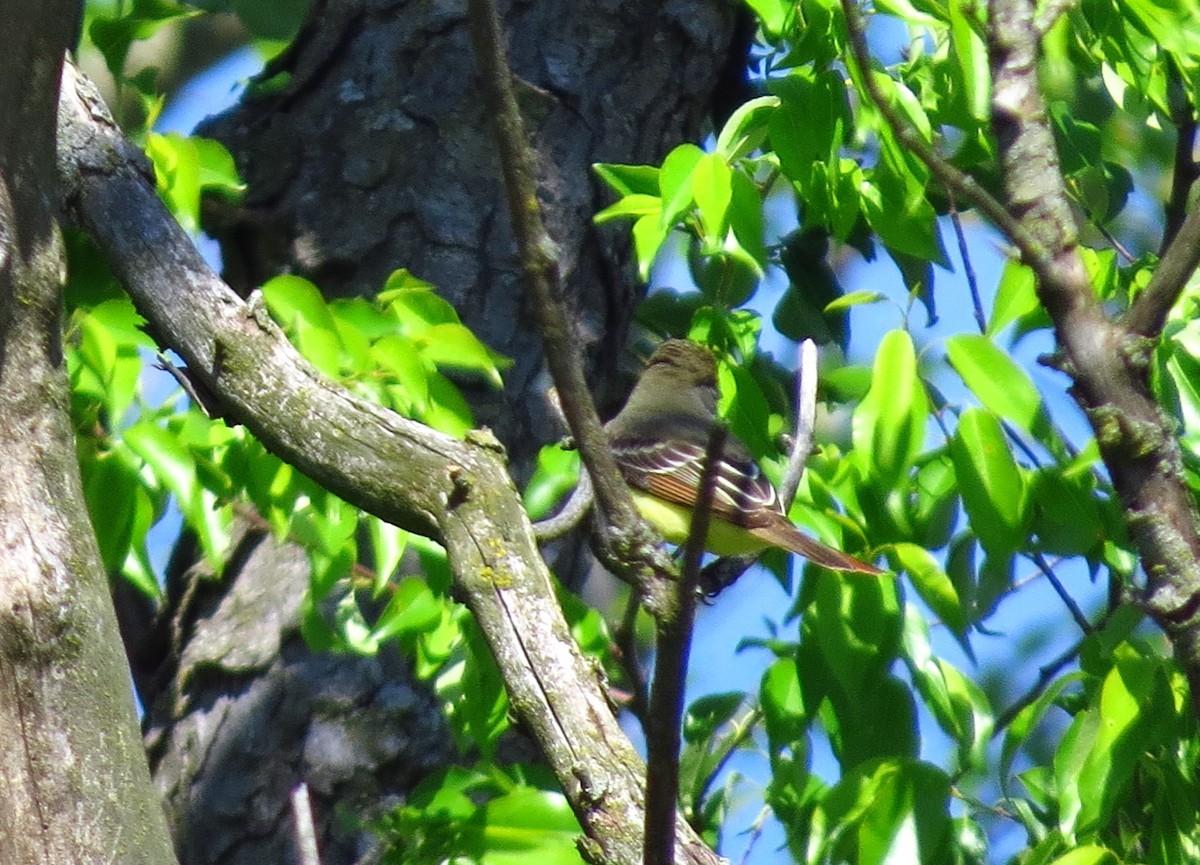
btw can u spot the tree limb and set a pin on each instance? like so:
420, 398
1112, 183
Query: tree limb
1148, 313
402, 471
74, 786
1106, 359
632, 540
670, 671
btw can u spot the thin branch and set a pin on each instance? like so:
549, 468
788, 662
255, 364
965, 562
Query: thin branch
1046, 675
1076, 613
1110, 238
968, 267
1185, 170
572, 512
670, 673
633, 541
806, 419
726, 571
958, 182
626, 640
1049, 14
302, 822
755, 833
1148, 313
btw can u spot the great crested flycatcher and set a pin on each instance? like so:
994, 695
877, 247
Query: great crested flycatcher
660, 438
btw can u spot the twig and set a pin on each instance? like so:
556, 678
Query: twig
1148, 313
1049, 14
755, 833
1109, 238
726, 571
743, 729
1185, 171
570, 515
670, 674
1045, 676
302, 821
626, 640
1076, 613
806, 419
968, 267
633, 541
960, 183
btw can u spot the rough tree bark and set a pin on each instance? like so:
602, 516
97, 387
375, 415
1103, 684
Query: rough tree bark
378, 155
73, 779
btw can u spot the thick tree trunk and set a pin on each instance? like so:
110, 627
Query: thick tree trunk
377, 155
74, 786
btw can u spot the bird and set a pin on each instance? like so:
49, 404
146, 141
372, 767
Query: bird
660, 438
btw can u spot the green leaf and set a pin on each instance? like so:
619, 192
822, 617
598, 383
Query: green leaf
932, 584
293, 299
970, 59
920, 13
455, 347
706, 714
746, 220
999, 382
1089, 854
177, 176
1016, 297
388, 544
857, 623
635, 205
1173, 25
712, 189
171, 463
412, 610
854, 298
114, 36
1028, 718
414, 302
783, 705
556, 474
889, 424
1127, 710
648, 237
746, 128
675, 183
772, 13
529, 825
629, 179
400, 356
991, 485
218, 172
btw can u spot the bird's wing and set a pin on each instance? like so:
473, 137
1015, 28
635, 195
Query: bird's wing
672, 469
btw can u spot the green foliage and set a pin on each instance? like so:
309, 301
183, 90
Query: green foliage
485, 816
953, 460
958, 492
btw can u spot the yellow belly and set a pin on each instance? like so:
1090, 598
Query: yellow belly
674, 522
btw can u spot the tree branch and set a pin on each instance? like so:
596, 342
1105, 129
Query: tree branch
1106, 359
1148, 313
406, 473
726, 571
632, 540
955, 181
73, 780
670, 672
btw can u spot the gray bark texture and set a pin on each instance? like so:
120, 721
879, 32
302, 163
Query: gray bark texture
73, 779
378, 154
